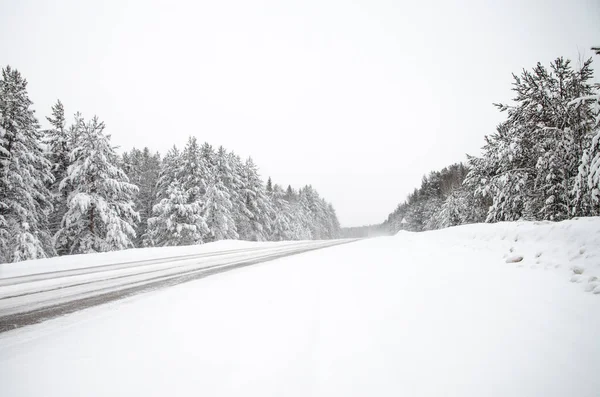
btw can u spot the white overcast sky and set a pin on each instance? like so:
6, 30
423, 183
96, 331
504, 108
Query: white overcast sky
357, 98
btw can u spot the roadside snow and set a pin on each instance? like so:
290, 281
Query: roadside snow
570, 248
429, 314
69, 262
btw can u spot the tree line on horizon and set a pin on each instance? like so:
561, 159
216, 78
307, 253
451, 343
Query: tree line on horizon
65, 190
541, 163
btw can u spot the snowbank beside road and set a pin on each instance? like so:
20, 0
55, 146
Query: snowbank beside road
570, 248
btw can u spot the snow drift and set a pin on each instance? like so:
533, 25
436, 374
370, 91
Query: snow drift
570, 248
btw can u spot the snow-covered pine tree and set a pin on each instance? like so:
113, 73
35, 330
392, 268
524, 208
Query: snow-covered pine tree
25, 173
529, 166
269, 186
170, 170
100, 215
258, 209
333, 226
235, 186
218, 211
58, 143
309, 210
586, 189
208, 155
142, 168
301, 218
178, 213
290, 194
177, 220
194, 171
282, 218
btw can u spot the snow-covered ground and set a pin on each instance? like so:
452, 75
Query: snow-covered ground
25, 268
48, 283
445, 313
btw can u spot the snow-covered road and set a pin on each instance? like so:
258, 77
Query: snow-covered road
34, 296
429, 314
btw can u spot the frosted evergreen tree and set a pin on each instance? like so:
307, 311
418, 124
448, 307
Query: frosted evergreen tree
194, 171
142, 168
586, 190
282, 222
182, 204
258, 209
530, 165
218, 212
459, 208
58, 142
25, 173
208, 155
177, 219
305, 217
100, 215
269, 186
235, 186
333, 224
290, 195
170, 171
587, 184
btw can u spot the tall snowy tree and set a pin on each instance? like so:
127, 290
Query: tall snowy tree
58, 145
586, 189
25, 173
177, 220
142, 168
218, 211
100, 215
170, 171
282, 218
179, 211
530, 164
257, 226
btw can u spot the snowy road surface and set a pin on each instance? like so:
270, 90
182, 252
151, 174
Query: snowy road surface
430, 314
35, 296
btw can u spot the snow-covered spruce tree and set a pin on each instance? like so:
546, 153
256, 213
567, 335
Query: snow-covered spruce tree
290, 195
311, 212
208, 155
194, 171
235, 186
170, 170
586, 190
335, 230
177, 218
142, 168
58, 142
218, 210
256, 226
459, 208
529, 165
299, 215
25, 200
587, 184
282, 218
100, 215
